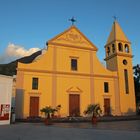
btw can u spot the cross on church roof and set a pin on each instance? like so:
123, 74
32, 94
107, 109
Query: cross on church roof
72, 20
115, 18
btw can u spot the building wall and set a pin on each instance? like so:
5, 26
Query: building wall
127, 99
57, 81
56, 85
100, 95
115, 63
65, 85
5, 98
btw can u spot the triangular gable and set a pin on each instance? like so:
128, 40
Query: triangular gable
72, 37
74, 89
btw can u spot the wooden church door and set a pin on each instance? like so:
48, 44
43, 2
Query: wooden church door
74, 105
34, 106
107, 107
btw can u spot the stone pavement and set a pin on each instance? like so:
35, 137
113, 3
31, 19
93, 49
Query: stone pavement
121, 130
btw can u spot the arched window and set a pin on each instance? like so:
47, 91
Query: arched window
108, 51
113, 48
126, 48
120, 47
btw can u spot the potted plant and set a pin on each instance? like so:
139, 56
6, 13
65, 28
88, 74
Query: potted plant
95, 110
49, 113
48, 110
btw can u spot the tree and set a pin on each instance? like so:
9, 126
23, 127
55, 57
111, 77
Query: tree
49, 111
94, 110
137, 81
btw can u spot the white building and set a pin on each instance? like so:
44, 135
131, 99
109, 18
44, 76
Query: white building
6, 83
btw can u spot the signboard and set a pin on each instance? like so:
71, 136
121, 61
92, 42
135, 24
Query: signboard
4, 111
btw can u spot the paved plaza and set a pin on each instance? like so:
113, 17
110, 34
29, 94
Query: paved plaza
120, 130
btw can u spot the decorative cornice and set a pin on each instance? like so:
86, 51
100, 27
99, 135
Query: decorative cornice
73, 46
118, 54
74, 57
35, 93
66, 73
72, 89
106, 95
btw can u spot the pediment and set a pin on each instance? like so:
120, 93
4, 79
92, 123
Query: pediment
72, 37
74, 89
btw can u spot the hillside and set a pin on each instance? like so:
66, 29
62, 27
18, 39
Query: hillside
10, 68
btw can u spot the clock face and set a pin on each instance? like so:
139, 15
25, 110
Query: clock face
125, 62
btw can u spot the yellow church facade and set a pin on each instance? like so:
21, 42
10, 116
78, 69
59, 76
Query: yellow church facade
68, 73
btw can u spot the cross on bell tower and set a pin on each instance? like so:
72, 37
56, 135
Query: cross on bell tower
73, 20
115, 18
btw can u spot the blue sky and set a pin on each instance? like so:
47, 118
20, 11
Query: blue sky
30, 23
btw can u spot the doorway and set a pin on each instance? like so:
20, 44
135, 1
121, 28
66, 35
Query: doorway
107, 110
34, 106
74, 105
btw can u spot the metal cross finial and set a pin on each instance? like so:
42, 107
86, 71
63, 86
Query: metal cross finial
72, 20
115, 18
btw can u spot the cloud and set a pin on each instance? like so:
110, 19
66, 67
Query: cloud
13, 52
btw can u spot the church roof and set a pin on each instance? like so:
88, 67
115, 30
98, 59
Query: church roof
73, 37
117, 34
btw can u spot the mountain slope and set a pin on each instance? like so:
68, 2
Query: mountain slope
10, 68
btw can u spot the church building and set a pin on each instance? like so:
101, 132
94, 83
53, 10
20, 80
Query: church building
68, 73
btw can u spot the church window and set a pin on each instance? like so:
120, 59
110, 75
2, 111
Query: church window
74, 64
126, 48
106, 87
108, 51
34, 83
126, 81
113, 48
125, 62
120, 47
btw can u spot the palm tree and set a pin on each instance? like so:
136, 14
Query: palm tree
49, 111
95, 110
